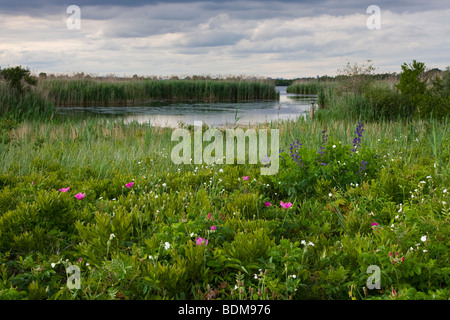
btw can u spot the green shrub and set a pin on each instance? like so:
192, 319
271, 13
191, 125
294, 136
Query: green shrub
385, 103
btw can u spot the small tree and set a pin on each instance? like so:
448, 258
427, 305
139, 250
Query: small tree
410, 84
17, 78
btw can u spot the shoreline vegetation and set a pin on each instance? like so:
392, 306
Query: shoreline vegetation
87, 92
357, 92
364, 184
41, 96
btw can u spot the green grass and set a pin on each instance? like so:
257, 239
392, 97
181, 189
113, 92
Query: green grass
43, 231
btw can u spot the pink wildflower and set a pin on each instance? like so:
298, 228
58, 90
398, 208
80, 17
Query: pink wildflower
80, 196
201, 241
246, 178
129, 185
267, 204
374, 224
285, 205
64, 189
213, 228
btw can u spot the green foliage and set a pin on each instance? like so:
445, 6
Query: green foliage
436, 100
17, 77
410, 84
304, 171
358, 94
149, 241
18, 98
385, 103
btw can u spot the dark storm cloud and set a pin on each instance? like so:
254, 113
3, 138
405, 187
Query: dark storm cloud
253, 9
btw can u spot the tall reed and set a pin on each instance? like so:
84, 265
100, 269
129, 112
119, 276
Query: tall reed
30, 104
84, 92
312, 87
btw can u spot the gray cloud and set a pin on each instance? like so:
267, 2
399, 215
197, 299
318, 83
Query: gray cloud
272, 38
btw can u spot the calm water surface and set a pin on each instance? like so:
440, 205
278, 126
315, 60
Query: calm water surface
216, 114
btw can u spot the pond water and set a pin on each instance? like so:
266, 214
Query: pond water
215, 114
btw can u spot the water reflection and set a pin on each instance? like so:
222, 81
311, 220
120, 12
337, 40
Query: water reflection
168, 114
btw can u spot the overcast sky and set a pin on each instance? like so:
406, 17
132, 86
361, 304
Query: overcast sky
255, 38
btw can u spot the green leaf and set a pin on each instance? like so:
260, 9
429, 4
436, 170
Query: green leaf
417, 269
245, 270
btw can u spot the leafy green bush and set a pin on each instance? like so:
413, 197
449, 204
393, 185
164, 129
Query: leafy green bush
337, 165
410, 84
385, 103
436, 100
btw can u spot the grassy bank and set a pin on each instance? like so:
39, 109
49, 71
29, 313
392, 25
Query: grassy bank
361, 194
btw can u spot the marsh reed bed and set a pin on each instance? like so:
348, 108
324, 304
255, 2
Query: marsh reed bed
84, 92
309, 87
31, 104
